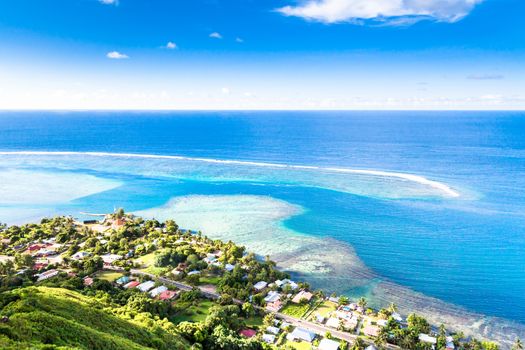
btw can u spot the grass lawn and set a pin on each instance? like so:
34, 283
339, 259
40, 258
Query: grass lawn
209, 280
157, 271
254, 321
194, 313
295, 310
146, 260
324, 309
109, 276
299, 345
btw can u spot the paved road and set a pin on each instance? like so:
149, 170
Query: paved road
311, 326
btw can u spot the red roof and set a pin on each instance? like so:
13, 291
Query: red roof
248, 333
169, 294
88, 281
132, 284
39, 266
35, 247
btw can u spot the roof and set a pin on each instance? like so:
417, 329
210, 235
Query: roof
302, 295
333, 322
144, 287
371, 330
132, 284
123, 279
268, 338
302, 334
248, 333
260, 285
328, 344
156, 291
273, 330
425, 338
167, 294
272, 296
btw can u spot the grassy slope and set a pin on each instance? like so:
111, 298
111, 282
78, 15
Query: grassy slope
40, 315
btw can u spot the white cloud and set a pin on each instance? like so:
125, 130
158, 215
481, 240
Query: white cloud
116, 55
485, 77
393, 12
171, 45
225, 91
109, 2
239, 40
216, 35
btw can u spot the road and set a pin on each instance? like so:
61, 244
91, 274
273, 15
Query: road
311, 326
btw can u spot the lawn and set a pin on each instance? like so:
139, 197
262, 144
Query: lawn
209, 280
109, 276
299, 345
254, 322
295, 310
324, 309
193, 313
146, 260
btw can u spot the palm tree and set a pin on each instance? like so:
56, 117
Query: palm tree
392, 308
518, 345
362, 302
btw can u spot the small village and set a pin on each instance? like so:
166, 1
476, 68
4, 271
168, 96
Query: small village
164, 261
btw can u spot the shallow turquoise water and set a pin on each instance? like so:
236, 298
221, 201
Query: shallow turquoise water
467, 250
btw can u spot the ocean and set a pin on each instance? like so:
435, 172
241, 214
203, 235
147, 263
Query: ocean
425, 209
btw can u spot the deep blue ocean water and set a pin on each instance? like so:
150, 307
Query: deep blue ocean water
468, 251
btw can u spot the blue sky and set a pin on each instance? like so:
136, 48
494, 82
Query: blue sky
244, 54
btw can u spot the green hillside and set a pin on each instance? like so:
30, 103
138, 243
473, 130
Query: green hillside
40, 316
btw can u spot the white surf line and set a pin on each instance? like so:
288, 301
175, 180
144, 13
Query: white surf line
405, 176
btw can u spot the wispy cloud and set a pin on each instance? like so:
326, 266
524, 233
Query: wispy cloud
216, 35
239, 40
171, 45
485, 77
391, 12
108, 2
116, 55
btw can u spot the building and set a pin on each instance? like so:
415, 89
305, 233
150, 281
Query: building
156, 291
80, 255
328, 344
302, 295
301, 334
272, 296
333, 322
275, 306
144, 287
283, 283
248, 333
371, 331
229, 267
47, 274
425, 338
110, 258
123, 280
272, 330
88, 281
194, 272
260, 285
268, 338
131, 284
167, 295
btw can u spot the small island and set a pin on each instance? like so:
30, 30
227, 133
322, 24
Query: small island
123, 282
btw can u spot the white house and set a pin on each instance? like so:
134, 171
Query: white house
229, 267
301, 334
144, 287
47, 274
80, 255
268, 338
425, 338
272, 297
260, 285
282, 283
110, 258
328, 344
273, 330
156, 291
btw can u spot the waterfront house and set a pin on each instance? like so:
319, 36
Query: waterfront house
371, 331
283, 283
328, 344
144, 287
301, 296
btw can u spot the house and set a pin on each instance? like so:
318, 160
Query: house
229, 267
371, 347
194, 272
40, 266
275, 306
285, 325
210, 258
35, 247
319, 318
283, 283
301, 334
80, 255
334, 300
88, 281
248, 333
333, 322
328, 344
425, 338
168, 294
273, 330
272, 296
397, 317
371, 331
47, 274
123, 280
117, 223
450, 343
268, 338
260, 285
382, 323
156, 291
144, 287
302, 295
131, 284
110, 258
